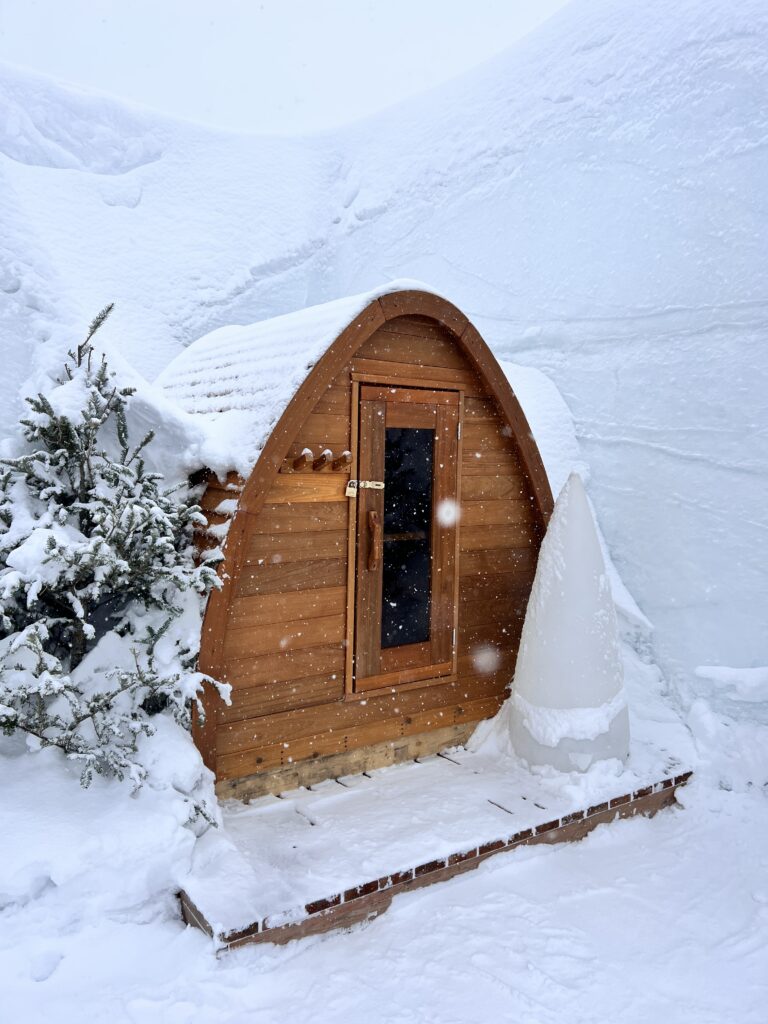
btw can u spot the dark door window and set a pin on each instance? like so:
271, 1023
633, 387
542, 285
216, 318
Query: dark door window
406, 570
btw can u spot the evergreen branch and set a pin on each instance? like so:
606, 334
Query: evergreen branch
96, 323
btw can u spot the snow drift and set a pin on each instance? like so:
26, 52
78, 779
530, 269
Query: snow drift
594, 197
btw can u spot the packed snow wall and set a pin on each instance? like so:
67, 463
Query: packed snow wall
593, 198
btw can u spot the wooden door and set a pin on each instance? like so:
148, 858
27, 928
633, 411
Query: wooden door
405, 600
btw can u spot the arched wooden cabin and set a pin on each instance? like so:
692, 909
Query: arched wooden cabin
361, 623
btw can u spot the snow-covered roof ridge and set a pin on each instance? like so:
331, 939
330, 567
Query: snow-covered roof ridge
240, 378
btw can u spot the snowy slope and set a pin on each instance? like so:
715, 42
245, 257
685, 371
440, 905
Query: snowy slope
593, 199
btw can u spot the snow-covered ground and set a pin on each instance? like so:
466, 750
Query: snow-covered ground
594, 199
644, 920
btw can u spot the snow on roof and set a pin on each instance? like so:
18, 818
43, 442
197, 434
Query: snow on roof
229, 388
241, 378
219, 400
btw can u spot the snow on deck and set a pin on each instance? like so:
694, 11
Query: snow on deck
279, 853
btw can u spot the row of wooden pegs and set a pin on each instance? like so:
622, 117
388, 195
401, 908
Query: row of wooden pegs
326, 458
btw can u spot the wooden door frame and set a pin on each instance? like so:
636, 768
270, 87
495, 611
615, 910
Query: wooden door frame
420, 681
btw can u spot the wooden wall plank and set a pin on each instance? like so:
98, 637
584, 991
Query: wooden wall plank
315, 517
414, 349
476, 409
335, 399
308, 485
464, 379
281, 666
343, 716
497, 512
283, 636
420, 326
276, 548
285, 577
489, 633
515, 535
487, 463
502, 587
258, 610
239, 763
494, 488
488, 561
270, 698
484, 437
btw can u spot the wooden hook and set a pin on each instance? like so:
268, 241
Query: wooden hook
323, 459
345, 459
302, 461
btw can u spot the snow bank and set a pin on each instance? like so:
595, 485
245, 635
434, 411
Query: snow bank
591, 198
594, 200
552, 425
97, 850
58, 126
727, 713
743, 684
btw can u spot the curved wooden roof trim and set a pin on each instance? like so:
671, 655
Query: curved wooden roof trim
342, 350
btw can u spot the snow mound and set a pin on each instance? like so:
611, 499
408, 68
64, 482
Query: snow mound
47, 124
741, 684
98, 849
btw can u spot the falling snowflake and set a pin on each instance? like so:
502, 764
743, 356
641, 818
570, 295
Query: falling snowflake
448, 512
486, 659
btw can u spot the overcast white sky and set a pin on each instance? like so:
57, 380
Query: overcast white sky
262, 65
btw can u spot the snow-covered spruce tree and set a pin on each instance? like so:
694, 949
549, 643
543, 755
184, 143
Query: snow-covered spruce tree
100, 592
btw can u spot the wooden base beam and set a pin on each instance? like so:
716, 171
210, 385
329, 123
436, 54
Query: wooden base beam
349, 762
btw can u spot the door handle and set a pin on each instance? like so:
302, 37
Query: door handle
374, 530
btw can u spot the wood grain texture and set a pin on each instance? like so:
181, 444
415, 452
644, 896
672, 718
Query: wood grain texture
349, 762
268, 549
234, 756
287, 577
280, 629
342, 716
269, 698
283, 636
259, 610
282, 666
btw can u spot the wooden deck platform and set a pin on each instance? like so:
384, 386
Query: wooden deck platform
325, 858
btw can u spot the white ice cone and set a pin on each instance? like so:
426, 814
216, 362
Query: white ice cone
568, 707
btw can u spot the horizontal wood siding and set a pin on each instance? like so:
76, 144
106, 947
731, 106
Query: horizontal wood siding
283, 647
284, 641
499, 542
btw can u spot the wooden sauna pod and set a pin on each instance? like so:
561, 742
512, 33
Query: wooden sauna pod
360, 624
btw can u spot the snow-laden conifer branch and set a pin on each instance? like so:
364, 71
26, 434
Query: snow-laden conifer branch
100, 589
